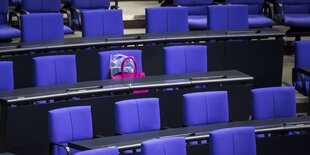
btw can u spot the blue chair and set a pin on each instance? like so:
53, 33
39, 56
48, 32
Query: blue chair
273, 102
7, 32
68, 124
256, 19
166, 19
137, 115
185, 59
197, 12
102, 23
302, 55
104, 61
100, 151
40, 27
52, 70
229, 141
228, 17
7, 78
164, 146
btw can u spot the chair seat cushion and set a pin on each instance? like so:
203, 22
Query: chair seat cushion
297, 20
67, 30
260, 21
7, 32
197, 22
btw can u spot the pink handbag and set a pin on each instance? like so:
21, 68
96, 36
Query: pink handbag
136, 74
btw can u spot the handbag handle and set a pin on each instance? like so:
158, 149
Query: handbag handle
134, 61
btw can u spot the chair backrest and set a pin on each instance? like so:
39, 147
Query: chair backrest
195, 7
137, 115
302, 53
185, 59
254, 6
295, 6
42, 26
228, 17
90, 4
166, 19
52, 70
104, 61
205, 108
164, 146
102, 23
239, 140
100, 151
70, 124
4, 8
6, 75
273, 102
37, 6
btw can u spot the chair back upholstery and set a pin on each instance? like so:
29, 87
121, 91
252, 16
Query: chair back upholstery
195, 7
295, 6
137, 115
104, 61
42, 26
6, 75
166, 19
205, 108
185, 59
254, 6
36, 6
100, 151
90, 4
164, 146
4, 8
238, 140
302, 53
102, 23
228, 17
52, 70
273, 102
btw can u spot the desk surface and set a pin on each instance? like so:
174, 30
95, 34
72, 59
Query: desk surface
134, 39
107, 86
129, 141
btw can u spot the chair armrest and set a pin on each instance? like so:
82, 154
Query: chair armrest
17, 14
68, 13
78, 13
67, 148
280, 7
295, 72
269, 8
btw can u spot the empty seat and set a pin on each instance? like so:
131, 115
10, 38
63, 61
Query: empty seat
164, 146
228, 17
69, 124
6, 31
229, 141
102, 23
6, 78
185, 59
100, 151
52, 70
166, 19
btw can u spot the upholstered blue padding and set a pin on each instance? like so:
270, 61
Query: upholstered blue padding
258, 21
102, 23
7, 32
52, 70
193, 2
90, 4
166, 19
254, 6
3, 18
137, 115
4, 7
197, 22
41, 5
185, 59
228, 17
164, 146
302, 53
297, 20
67, 30
104, 61
7, 75
42, 26
205, 108
273, 102
233, 141
100, 151
16, 2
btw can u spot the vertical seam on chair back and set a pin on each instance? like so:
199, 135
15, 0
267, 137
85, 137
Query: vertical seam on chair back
55, 69
42, 28
206, 109
91, 4
185, 56
164, 147
138, 113
227, 15
233, 142
103, 26
167, 16
274, 104
71, 121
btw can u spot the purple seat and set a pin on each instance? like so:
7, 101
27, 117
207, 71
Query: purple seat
52, 70
228, 17
42, 26
229, 141
166, 19
137, 115
104, 61
302, 55
7, 78
102, 23
197, 12
164, 146
101, 151
6, 31
273, 102
69, 124
185, 59
256, 17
